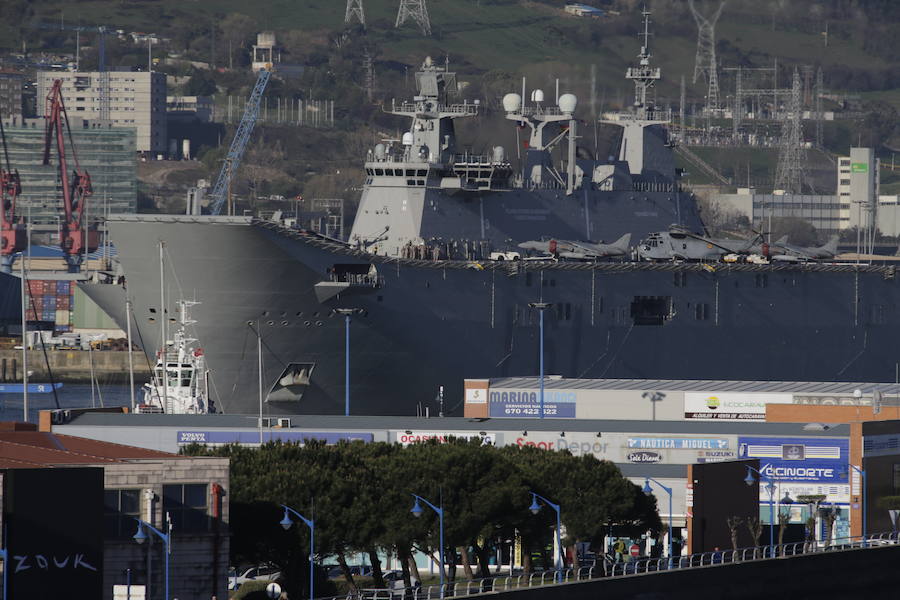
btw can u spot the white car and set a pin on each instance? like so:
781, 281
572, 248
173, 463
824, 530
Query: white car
508, 255
258, 573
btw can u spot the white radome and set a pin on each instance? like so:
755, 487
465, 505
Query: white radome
567, 103
512, 102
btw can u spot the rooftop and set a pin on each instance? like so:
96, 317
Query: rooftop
23, 446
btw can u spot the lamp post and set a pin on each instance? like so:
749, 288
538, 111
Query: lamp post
286, 524
770, 487
541, 307
140, 537
668, 490
535, 508
417, 510
347, 313
865, 511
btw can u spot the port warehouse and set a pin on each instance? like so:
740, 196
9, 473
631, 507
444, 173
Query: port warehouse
626, 434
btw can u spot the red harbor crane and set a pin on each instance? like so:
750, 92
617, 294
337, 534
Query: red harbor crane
12, 234
76, 237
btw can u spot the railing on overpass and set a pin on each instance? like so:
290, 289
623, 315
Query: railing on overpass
608, 568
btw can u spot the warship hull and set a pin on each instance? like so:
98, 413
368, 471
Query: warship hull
424, 324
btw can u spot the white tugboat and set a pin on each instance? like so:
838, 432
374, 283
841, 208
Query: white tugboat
180, 383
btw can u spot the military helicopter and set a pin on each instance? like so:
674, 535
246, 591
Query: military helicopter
681, 244
579, 250
782, 251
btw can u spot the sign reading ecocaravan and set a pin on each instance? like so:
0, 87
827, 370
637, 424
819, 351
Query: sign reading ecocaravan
730, 406
527, 403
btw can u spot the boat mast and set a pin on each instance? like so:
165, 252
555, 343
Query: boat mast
162, 328
130, 357
24, 343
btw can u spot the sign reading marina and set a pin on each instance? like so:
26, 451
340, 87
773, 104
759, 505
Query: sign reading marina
527, 403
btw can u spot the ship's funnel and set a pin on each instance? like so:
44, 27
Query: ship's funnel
567, 103
512, 103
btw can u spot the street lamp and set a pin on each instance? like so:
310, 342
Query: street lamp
865, 508
347, 313
541, 307
140, 536
535, 508
417, 510
770, 487
668, 490
286, 524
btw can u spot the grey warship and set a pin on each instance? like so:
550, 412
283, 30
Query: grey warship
430, 308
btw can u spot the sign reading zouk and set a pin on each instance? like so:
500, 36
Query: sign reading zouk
527, 403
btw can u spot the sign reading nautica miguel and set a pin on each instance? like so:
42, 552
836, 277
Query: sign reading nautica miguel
435, 308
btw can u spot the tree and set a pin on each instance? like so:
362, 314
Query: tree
733, 524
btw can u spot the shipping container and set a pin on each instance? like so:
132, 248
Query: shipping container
30, 315
49, 287
48, 302
63, 288
62, 328
62, 317
35, 287
62, 303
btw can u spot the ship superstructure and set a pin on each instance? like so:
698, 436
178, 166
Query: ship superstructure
431, 310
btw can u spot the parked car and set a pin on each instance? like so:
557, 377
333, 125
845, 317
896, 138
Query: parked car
257, 573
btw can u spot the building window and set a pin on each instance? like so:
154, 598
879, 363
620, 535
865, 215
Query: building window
121, 508
186, 503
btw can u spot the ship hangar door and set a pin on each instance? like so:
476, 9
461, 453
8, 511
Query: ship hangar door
292, 383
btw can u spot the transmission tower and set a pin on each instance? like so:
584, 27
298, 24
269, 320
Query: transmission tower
738, 105
681, 123
355, 9
705, 63
789, 175
820, 89
369, 74
417, 11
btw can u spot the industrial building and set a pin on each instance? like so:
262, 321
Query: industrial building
107, 153
124, 98
856, 204
640, 447
107, 488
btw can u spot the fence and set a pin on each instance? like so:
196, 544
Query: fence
278, 110
605, 568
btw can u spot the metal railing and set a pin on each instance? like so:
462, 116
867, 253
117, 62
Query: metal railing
605, 568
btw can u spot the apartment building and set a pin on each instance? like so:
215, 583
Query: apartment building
133, 99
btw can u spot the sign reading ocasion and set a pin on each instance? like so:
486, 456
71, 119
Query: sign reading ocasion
527, 403
798, 459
